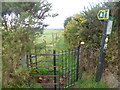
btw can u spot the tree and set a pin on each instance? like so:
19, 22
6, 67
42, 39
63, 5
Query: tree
91, 33
72, 30
88, 28
85, 27
67, 20
22, 22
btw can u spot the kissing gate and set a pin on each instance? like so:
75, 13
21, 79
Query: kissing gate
56, 70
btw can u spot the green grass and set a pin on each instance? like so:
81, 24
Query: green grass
61, 44
43, 71
46, 39
90, 83
37, 86
47, 35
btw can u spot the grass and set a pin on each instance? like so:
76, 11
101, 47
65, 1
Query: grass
37, 86
47, 35
90, 83
43, 71
61, 44
58, 45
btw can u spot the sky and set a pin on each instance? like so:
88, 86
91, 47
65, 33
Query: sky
66, 8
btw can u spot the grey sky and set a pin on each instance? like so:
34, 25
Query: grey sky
66, 8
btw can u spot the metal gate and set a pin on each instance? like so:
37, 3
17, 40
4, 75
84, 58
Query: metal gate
56, 70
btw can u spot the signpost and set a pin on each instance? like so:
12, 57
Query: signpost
103, 14
109, 25
108, 21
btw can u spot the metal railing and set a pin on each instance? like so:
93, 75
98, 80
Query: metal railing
64, 66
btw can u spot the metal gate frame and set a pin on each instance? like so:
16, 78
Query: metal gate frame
68, 71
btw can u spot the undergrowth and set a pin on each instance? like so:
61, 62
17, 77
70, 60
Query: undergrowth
91, 83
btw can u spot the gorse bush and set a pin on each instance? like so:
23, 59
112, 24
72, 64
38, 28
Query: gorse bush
85, 27
72, 29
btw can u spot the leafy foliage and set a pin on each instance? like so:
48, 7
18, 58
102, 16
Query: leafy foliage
22, 22
90, 32
67, 20
72, 29
84, 27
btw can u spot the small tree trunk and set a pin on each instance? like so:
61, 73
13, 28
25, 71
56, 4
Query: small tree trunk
23, 60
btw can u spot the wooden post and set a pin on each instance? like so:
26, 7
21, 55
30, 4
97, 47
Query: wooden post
81, 59
56, 37
78, 56
53, 39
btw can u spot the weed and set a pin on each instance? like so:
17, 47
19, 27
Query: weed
91, 83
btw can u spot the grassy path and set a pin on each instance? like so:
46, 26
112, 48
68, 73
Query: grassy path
89, 83
48, 36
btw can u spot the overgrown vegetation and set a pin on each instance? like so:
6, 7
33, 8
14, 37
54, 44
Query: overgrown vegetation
90, 83
85, 27
23, 27
22, 22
